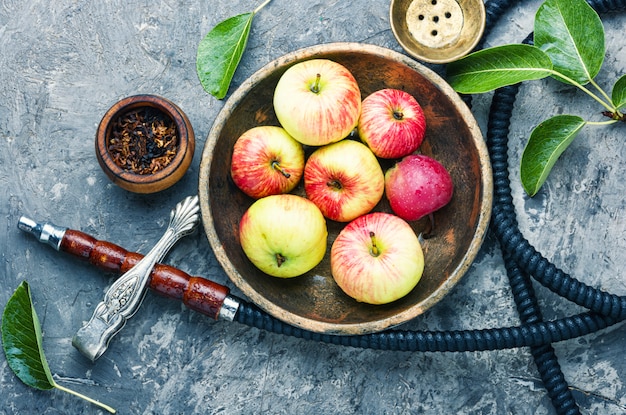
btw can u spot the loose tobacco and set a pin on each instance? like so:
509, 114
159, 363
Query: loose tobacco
143, 141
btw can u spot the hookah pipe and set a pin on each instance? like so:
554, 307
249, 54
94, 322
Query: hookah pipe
521, 262
215, 301
197, 293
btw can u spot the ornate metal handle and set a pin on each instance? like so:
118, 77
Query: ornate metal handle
123, 298
198, 293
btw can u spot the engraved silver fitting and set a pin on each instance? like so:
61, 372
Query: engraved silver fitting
123, 298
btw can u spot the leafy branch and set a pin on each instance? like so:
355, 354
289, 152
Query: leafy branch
569, 47
22, 343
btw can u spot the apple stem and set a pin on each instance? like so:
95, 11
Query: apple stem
280, 260
427, 233
334, 183
374, 251
398, 115
276, 165
315, 88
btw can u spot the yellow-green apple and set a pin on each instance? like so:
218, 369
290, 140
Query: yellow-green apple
377, 258
266, 161
417, 186
283, 235
392, 123
317, 101
344, 180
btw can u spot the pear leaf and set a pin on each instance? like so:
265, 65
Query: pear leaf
21, 340
496, 67
618, 96
22, 344
572, 35
220, 52
546, 143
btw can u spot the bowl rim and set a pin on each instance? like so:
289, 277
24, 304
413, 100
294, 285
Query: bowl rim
147, 182
328, 327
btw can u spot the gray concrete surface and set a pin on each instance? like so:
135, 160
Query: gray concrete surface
64, 63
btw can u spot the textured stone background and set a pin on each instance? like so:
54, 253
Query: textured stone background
64, 63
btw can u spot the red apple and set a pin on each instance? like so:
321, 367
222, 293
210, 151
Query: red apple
377, 258
344, 180
392, 123
317, 101
266, 161
283, 235
417, 186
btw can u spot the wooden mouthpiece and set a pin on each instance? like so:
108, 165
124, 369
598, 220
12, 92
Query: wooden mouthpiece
197, 293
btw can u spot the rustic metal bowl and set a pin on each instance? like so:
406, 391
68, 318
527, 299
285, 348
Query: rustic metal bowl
313, 301
437, 31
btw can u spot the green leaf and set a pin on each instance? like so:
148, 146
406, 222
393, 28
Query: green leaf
546, 143
493, 68
220, 52
572, 35
22, 344
21, 340
618, 96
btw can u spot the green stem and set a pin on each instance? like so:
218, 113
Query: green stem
276, 166
87, 398
374, 251
604, 94
601, 122
581, 87
315, 88
261, 6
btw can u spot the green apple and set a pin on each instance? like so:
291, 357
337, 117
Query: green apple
283, 235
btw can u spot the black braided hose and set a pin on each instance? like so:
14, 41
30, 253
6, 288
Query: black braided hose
525, 335
528, 309
544, 355
521, 259
524, 294
504, 222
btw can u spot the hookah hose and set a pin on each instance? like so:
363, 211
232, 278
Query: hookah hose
521, 261
517, 250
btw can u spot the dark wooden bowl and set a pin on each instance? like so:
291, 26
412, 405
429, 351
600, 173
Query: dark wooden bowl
162, 179
313, 301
